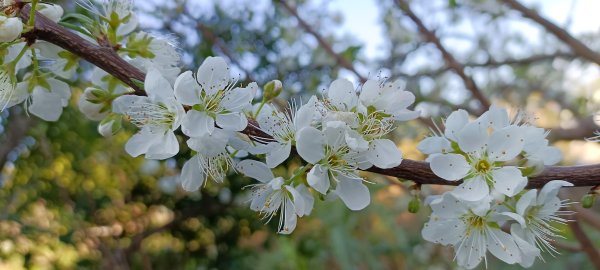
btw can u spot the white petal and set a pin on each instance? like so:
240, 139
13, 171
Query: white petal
46, 105
443, 231
192, 177
353, 193
165, 147
550, 190
197, 124
455, 122
370, 93
505, 144
528, 250
318, 178
210, 144
450, 166
473, 189
503, 246
497, 117
355, 141
213, 75
255, 169
342, 95
297, 199
528, 199
472, 251
508, 180
237, 99
232, 121
473, 137
384, 154
551, 155
305, 115
434, 145
157, 86
310, 144
140, 142
187, 90
309, 200
448, 206
278, 154
289, 218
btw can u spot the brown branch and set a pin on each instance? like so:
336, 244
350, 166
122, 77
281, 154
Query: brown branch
492, 63
417, 171
586, 244
322, 42
577, 46
451, 62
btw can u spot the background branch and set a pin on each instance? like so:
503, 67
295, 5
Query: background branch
577, 46
451, 62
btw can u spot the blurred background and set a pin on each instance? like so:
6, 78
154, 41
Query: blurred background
70, 198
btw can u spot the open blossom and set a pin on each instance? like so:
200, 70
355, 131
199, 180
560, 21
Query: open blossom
335, 164
274, 195
481, 152
122, 10
157, 116
10, 28
535, 214
370, 116
283, 127
44, 100
147, 51
214, 99
472, 229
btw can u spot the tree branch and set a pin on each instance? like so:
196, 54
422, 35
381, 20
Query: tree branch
577, 46
322, 42
586, 244
451, 62
417, 171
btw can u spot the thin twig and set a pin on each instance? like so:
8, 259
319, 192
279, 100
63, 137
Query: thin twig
586, 244
322, 42
577, 46
451, 62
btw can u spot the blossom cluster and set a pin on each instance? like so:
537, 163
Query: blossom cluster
335, 135
493, 155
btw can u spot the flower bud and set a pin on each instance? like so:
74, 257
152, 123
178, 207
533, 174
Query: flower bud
10, 28
588, 200
414, 205
110, 125
272, 89
53, 12
91, 103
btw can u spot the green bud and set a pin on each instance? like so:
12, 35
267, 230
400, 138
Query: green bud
414, 205
272, 89
110, 125
588, 200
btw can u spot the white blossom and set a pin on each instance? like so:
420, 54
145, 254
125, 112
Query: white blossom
157, 116
472, 229
274, 195
214, 99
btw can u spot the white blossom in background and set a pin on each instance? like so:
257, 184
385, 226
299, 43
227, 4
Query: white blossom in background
273, 195
485, 153
43, 97
214, 99
157, 116
51, 11
10, 28
122, 10
472, 229
154, 51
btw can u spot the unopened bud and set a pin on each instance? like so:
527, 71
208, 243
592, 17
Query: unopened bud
272, 89
110, 125
52, 12
10, 28
588, 200
414, 205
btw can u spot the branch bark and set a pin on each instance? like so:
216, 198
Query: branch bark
451, 62
577, 46
417, 171
586, 244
